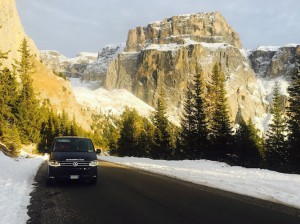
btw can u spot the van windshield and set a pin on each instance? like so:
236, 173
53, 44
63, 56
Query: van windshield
73, 145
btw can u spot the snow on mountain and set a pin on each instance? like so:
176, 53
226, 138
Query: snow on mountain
263, 90
108, 102
268, 48
98, 68
258, 183
85, 57
16, 184
71, 67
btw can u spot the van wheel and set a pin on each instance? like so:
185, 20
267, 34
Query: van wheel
49, 182
93, 180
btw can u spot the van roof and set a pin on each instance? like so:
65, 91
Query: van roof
71, 137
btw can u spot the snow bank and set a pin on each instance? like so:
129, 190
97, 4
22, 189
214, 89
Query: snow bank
16, 179
258, 183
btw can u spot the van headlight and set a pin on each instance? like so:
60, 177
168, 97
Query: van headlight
94, 163
54, 163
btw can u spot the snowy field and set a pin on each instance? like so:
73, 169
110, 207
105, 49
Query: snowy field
108, 102
258, 183
16, 179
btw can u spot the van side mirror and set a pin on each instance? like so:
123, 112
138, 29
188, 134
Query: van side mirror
98, 151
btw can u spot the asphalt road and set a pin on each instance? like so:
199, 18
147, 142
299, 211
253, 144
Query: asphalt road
125, 195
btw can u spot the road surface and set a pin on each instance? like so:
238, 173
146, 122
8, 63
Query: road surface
126, 195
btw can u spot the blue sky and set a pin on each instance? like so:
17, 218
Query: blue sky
72, 26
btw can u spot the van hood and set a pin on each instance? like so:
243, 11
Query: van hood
73, 156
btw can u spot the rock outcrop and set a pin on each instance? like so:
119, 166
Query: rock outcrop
201, 27
165, 54
70, 67
273, 62
12, 32
91, 67
97, 70
45, 83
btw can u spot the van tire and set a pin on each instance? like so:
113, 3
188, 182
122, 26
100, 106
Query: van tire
93, 180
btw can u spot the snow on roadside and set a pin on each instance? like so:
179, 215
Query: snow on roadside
258, 183
16, 179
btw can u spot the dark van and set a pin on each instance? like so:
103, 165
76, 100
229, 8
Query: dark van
72, 158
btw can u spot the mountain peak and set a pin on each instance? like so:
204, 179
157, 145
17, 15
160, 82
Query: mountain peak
199, 27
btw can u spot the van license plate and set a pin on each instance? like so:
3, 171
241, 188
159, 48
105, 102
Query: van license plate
74, 177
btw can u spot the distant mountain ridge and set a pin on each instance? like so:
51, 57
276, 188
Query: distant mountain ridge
165, 53
71, 67
87, 66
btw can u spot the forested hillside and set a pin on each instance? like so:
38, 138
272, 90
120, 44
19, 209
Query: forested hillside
207, 133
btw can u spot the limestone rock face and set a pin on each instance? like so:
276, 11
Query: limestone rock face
45, 83
96, 71
201, 27
273, 62
12, 32
165, 54
71, 67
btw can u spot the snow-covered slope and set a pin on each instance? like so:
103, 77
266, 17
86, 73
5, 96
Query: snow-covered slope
104, 101
16, 179
258, 183
98, 69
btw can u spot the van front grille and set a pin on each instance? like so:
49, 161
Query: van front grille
75, 163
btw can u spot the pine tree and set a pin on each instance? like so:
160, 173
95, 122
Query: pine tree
2, 56
9, 134
276, 145
194, 131
8, 93
293, 112
130, 134
188, 127
220, 130
29, 120
162, 138
201, 135
247, 145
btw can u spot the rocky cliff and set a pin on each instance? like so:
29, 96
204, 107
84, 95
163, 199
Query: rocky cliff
12, 32
273, 62
202, 27
166, 53
86, 66
97, 70
71, 67
46, 84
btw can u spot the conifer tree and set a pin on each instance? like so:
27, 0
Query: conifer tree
220, 130
2, 56
188, 127
276, 144
29, 120
293, 112
162, 138
9, 134
247, 145
201, 126
130, 134
8, 93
